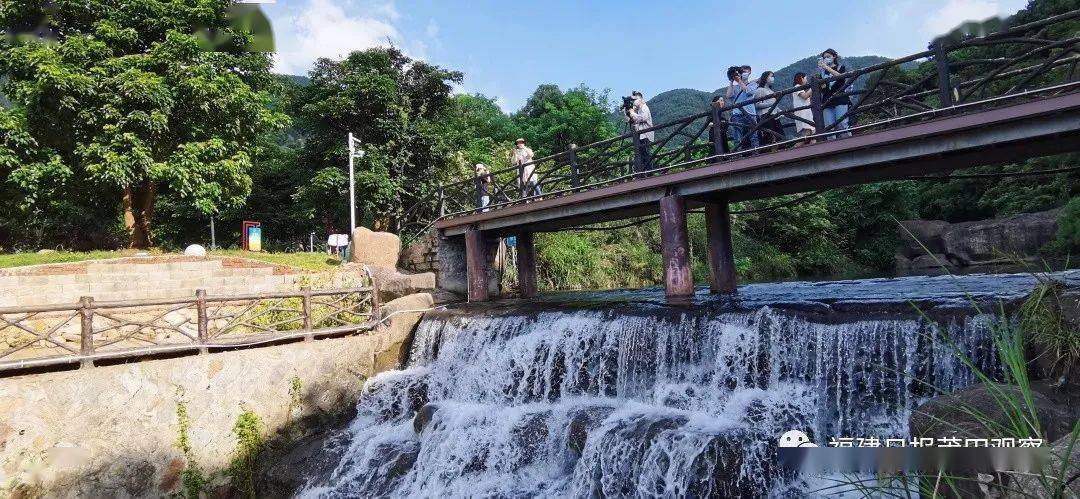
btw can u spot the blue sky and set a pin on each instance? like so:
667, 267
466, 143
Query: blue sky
506, 49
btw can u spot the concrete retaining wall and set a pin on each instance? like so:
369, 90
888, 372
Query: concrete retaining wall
113, 431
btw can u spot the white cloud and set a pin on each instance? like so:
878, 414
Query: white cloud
432, 29
955, 12
322, 28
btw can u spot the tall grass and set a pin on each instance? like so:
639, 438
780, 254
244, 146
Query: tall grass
1037, 319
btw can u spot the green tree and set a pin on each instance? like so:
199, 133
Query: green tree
126, 105
552, 120
395, 107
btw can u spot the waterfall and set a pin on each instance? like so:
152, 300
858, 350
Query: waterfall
631, 398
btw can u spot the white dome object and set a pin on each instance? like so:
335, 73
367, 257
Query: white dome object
195, 250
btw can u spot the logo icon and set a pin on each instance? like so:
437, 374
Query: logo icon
795, 438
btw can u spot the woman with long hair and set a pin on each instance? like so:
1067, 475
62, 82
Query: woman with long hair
800, 103
768, 115
834, 98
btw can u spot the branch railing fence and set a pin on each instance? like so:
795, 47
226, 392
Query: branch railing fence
1029, 61
89, 331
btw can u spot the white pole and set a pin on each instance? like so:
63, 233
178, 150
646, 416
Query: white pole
213, 235
352, 188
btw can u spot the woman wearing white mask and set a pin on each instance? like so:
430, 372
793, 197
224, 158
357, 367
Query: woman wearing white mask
833, 97
768, 112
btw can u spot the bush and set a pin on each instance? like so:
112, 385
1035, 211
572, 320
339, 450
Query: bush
1067, 240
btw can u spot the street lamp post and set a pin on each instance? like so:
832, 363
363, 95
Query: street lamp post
353, 153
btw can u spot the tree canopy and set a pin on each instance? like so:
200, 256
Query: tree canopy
126, 104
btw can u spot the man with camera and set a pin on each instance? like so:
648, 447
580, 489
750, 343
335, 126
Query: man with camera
743, 118
640, 118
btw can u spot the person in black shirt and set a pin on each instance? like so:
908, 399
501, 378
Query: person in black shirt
835, 101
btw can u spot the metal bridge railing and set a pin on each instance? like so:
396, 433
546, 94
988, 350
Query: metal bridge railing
1029, 61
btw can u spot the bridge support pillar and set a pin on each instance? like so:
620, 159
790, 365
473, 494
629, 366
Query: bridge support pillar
526, 264
476, 265
719, 254
675, 248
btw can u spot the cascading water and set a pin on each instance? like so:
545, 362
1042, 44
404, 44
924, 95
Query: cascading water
618, 395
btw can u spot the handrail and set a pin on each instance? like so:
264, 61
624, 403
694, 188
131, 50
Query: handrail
883, 101
197, 324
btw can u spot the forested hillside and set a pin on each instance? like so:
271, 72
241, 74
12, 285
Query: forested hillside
110, 151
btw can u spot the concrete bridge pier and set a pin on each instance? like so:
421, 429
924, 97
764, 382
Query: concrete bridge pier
720, 256
526, 265
476, 265
675, 249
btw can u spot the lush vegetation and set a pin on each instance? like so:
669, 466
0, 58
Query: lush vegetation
127, 131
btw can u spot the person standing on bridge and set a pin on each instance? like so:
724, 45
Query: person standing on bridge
800, 102
640, 118
768, 111
483, 186
522, 159
834, 98
744, 117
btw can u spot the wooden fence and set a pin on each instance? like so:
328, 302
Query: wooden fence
46, 336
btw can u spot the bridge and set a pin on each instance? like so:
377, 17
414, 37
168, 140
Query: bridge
1015, 99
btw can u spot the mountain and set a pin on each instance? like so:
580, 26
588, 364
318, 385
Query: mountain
682, 102
300, 80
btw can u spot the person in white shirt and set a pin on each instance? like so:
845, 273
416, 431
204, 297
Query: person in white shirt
801, 99
522, 159
640, 118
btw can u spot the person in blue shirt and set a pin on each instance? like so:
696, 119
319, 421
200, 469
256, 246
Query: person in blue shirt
743, 118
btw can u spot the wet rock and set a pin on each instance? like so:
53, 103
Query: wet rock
949, 415
395, 398
311, 458
529, 436
724, 459
582, 421
395, 460
423, 417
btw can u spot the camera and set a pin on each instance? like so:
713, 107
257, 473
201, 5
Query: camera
628, 104
733, 73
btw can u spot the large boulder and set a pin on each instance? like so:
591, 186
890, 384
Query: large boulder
918, 233
375, 248
1062, 465
994, 239
393, 284
951, 415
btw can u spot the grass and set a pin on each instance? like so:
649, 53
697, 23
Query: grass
23, 259
308, 261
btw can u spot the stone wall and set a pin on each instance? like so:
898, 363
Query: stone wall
113, 431
142, 278
445, 257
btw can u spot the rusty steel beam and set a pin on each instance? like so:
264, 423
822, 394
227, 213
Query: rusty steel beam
476, 265
719, 253
675, 248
